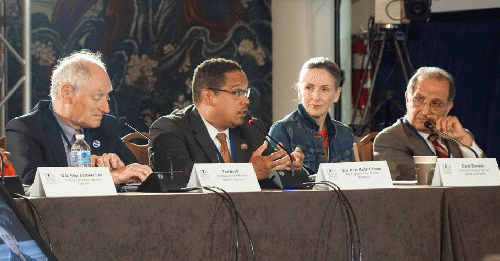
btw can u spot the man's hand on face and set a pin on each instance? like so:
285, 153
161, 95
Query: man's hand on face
452, 126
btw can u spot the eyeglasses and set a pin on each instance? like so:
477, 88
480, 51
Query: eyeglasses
237, 94
434, 105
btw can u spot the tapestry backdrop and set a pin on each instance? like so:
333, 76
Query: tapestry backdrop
150, 47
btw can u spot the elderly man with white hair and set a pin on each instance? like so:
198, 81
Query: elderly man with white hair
79, 104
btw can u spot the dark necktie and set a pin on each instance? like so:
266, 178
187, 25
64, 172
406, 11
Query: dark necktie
224, 151
440, 151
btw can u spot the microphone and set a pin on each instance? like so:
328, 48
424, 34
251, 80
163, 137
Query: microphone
250, 121
428, 125
124, 121
157, 182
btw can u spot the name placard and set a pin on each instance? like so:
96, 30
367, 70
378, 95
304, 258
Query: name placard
231, 177
466, 172
72, 181
356, 175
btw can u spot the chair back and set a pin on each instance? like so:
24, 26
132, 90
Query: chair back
363, 149
140, 151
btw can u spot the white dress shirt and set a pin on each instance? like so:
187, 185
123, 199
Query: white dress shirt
466, 153
212, 131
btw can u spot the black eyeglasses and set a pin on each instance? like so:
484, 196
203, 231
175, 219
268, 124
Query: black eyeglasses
237, 94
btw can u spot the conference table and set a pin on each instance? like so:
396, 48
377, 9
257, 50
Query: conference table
400, 223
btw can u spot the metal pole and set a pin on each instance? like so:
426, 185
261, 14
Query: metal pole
338, 109
27, 56
346, 60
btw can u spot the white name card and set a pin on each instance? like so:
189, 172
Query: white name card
72, 181
356, 175
231, 177
466, 172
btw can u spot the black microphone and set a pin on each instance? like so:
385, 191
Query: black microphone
124, 121
250, 121
428, 125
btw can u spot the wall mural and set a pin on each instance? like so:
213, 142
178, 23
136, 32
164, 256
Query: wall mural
151, 48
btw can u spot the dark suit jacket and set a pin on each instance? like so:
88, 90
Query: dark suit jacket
34, 140
398, 144
182, 135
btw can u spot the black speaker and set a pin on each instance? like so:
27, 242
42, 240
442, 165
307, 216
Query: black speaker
285, 180
165, 182
417, 10
13, 184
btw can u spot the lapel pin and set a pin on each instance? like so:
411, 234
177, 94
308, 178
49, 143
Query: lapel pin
244, 146
96, 144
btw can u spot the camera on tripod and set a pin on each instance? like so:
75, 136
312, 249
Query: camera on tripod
401, 11
384, 30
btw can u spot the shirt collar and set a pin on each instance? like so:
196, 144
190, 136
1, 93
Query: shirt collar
422, 134
67, 129
212, 131
313, 125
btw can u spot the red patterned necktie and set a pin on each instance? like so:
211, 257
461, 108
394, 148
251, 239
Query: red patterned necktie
440, 151
224, 151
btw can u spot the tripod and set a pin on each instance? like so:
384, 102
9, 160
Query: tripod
385, 38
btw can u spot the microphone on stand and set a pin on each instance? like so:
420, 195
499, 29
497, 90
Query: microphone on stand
156, 181
124, 121
428, 125
282, 179
250, 121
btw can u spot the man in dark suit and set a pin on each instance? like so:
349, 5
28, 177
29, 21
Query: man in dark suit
214, 129
429, 97
43, 138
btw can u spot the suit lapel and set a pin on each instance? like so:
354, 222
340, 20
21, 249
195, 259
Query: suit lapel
53, 137
453, 148
202, 137
241, 148
95, 144
420, 145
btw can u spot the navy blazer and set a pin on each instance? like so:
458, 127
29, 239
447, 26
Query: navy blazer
34, 140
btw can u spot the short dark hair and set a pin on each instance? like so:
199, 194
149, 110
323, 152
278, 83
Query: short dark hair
211, 74
433, 73
321, 63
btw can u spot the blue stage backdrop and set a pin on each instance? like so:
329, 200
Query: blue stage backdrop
150, 47
469, 49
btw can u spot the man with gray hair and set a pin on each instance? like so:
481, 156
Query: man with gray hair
79, 94
429, 97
